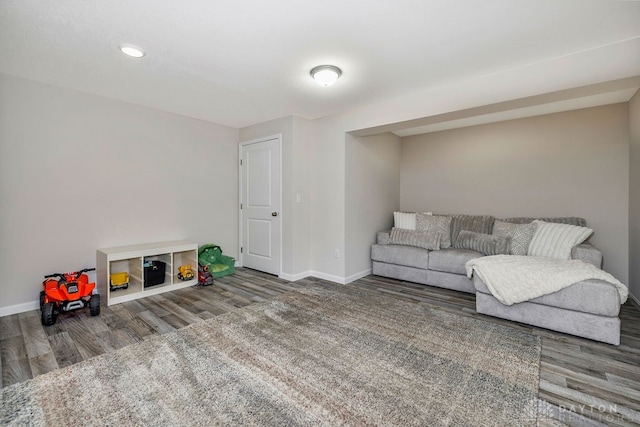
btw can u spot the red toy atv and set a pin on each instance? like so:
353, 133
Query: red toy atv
71, 291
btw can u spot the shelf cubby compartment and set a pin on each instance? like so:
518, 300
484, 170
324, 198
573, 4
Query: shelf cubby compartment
166, 280
180, 258
131, 266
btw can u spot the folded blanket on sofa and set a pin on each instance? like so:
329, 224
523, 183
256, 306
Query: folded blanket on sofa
513, 279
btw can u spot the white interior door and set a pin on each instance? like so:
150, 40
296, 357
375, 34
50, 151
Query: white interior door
260, 217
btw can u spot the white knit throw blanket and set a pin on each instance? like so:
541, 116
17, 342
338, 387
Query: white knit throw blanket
513, 279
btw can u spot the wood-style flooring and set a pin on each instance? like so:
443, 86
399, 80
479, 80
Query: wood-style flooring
582, 382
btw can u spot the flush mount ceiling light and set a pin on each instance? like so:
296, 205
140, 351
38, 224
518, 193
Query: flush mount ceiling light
132, 50
326, 75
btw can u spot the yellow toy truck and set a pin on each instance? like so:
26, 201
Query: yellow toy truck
119, 281
185, 272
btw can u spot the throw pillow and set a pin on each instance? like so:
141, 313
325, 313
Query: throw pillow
486, 244
556, 240
419, 239
436, 224
520, 234
406, 220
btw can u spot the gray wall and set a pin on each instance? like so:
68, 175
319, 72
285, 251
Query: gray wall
634, 196
372, 194
80, 172
566, 164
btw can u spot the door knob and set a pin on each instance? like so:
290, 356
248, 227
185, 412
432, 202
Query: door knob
274, 213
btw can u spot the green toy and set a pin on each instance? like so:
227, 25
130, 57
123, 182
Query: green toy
210, 256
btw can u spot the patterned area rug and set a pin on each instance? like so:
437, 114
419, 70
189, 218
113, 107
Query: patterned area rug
331, 355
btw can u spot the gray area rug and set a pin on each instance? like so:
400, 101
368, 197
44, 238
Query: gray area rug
333, 355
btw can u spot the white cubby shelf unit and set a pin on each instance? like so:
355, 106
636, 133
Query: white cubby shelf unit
131, 260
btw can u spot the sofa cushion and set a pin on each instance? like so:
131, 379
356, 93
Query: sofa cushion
401, 272
556, 240
401, 255
476, 223
486, 244
436, 223
589, 296
450, 281
571, 220
520, 234
419, 239
451, 260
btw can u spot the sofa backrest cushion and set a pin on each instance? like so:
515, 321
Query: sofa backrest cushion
476, 223
571, 220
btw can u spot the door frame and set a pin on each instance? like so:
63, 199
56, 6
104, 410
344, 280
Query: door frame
278, 138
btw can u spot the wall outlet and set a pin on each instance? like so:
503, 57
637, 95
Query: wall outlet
336, 253
298, 198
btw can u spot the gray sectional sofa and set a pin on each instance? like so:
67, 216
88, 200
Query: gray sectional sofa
587, 309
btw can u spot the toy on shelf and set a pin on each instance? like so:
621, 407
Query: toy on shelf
219, 265
185, 272
119, 281
70, 291
154, 272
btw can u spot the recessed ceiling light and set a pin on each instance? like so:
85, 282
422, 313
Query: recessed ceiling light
132, 50
326, 75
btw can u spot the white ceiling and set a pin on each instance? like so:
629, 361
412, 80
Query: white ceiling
240, 62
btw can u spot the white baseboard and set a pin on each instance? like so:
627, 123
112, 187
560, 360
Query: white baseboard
633, 297
329, 277
341, 280
311, 273
357, 276
325, 276
295, 277
19, 308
